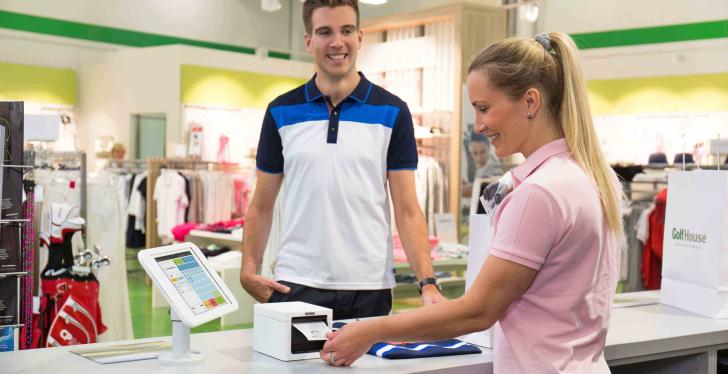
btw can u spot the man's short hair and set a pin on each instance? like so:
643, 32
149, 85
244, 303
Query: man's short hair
310, 5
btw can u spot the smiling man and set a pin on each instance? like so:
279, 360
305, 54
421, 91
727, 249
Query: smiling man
339, 142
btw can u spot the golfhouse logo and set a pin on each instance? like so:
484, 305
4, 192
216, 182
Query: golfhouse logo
687, 237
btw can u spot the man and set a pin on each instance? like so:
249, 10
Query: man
337, 141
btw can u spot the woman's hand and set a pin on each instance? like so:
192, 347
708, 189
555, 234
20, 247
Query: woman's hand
347, 344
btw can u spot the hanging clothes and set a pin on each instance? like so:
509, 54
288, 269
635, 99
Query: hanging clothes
636, 237
196, 211
105, 229
172, 201
56, 188
240, 196
136, 212
430, 189
652, 251
218, 197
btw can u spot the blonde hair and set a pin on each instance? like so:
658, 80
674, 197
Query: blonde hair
549, 63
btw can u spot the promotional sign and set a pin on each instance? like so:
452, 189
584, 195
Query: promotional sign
695, 246
9, 308
11, 119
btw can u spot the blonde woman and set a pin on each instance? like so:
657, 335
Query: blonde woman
553, 265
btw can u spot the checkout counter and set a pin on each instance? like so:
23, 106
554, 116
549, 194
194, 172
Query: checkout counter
644, 337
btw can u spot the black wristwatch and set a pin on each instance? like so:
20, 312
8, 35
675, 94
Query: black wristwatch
427, 281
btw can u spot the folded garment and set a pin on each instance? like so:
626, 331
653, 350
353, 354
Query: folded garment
214, 250
397, 351
180, 231
223, 225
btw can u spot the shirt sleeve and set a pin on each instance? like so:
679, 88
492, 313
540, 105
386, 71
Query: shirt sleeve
157, 187
402, 152
269, 158
527, 227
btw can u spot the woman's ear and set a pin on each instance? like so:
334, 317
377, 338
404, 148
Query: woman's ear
532, 101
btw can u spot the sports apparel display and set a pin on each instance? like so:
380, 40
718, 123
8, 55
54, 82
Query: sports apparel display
64, 322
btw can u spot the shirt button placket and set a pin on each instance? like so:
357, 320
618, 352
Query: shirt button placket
333, 126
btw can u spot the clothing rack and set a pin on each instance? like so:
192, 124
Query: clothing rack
70, 160
126, 166
154, 170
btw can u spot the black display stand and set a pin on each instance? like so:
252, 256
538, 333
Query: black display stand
11, 210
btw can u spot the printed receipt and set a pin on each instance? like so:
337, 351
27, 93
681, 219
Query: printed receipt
312, 330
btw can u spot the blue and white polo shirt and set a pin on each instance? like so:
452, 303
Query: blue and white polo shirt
336, 232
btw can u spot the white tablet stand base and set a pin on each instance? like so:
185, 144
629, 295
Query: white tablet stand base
181, 354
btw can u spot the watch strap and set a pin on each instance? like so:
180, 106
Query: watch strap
426, 281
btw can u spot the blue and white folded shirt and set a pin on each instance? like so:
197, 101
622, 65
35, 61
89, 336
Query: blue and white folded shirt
451, 347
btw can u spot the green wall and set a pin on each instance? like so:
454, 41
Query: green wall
234, 89
38, 84
690, 93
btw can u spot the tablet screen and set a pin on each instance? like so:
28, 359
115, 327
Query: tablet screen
192, 281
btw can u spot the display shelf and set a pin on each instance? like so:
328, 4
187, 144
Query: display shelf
14, 274
16, 326
4, 221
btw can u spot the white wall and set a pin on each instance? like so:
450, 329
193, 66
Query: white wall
238, 22
113, 86
368, 11
578, 16
41, 50
684, 58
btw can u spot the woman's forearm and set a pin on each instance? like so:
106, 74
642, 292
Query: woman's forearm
433, 322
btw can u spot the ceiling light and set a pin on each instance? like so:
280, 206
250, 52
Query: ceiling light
270, 5
530, 12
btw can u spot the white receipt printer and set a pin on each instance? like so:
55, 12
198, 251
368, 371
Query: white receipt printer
290, 331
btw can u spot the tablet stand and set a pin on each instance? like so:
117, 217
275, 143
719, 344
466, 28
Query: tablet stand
181, 354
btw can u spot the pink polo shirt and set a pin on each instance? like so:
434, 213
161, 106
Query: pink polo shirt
553, 222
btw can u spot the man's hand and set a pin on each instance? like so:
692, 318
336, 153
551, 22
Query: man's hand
431, 295
260, 288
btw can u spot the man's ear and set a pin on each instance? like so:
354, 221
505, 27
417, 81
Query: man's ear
307, 42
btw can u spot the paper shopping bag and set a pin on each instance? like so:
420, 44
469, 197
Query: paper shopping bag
481, 235
695, 245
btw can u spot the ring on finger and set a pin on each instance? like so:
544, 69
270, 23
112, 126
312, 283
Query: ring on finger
332, 359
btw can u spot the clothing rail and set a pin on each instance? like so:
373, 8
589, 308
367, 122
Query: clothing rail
154, 170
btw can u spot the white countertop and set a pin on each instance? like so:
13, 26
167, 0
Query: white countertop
225, 352
635, 331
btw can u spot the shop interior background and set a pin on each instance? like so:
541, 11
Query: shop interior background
147, 73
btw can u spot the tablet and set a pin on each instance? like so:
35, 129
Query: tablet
193, 289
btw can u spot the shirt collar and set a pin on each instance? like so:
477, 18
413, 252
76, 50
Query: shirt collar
522, 171
360, 93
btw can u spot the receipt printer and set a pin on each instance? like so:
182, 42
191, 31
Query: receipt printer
290, 331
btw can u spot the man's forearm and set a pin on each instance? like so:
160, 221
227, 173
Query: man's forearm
413, 234
255, 238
